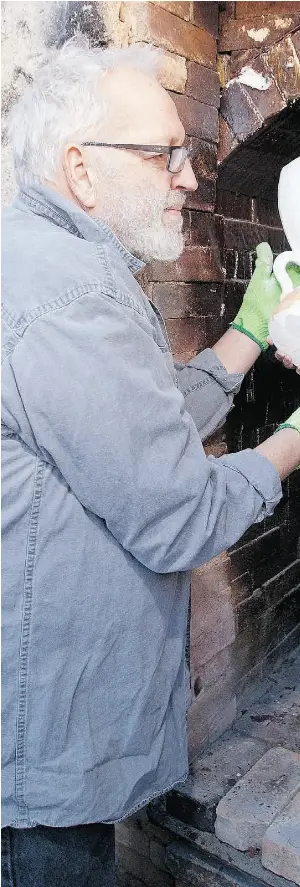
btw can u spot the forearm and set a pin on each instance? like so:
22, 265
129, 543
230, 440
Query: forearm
208, 390
283, 451
236, 351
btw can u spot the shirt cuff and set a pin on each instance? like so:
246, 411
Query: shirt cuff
209, 362
261, 474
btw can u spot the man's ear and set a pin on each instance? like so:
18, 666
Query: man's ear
79, 176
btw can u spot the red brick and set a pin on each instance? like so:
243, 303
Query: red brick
285, 66
205, 15
255, 10
266, 212
237, 35
203, 84
195, 263
177, 299
171, 32
199, 120
187, 337
187, 299
182, 9
209, 610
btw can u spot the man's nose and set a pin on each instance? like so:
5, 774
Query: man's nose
186, 179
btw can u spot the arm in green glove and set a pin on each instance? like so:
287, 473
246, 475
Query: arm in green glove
260, 300
262, 297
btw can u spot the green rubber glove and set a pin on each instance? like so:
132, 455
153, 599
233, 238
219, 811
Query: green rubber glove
261, 298
292, 422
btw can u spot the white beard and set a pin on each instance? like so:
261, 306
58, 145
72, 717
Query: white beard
137, 217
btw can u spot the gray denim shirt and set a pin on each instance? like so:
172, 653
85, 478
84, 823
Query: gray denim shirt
108, 502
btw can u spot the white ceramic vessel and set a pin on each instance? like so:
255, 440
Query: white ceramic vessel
284, 328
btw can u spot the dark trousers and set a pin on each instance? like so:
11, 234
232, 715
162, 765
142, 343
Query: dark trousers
80, 856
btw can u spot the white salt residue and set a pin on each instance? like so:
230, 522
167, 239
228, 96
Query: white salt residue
222, 312
283, 22
236, 262
252, 78
259, 35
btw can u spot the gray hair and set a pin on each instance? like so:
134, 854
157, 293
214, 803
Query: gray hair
64, 103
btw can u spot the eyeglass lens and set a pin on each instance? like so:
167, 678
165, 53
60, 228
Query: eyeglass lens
177, 159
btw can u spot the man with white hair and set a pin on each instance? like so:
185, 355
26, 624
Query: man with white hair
108, 498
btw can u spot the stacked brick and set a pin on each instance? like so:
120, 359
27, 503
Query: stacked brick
180, 289
262, 39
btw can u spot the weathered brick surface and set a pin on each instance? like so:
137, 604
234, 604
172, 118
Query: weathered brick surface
199, 120
173, 72
245, 813
155, 24
182, 9
203, 84
245, 109
187, 299
281, 843
284, 64
247, 11
187, 337
195, 263
237, 35
205, 15
228, 141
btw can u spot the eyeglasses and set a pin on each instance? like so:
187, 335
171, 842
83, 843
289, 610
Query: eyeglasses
176, 155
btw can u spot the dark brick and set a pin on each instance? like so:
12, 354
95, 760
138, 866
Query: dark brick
234, 293
205, 196
205, 15
265, 212
204, 163
247, 556
277, 587
228, 141
234, 206
244, 113
199, 120
203, 84
203, 229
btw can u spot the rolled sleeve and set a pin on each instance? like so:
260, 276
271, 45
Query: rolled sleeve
208, 390
261, 474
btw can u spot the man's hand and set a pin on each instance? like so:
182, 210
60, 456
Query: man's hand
289, 300
261, 298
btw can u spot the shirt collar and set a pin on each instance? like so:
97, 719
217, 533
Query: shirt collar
49, 203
